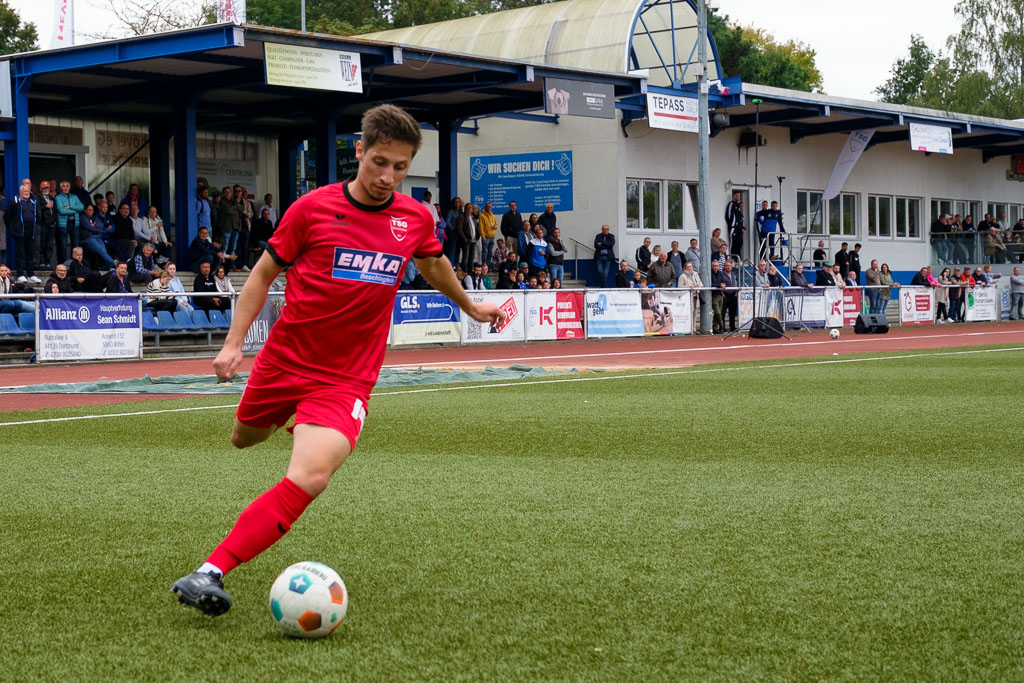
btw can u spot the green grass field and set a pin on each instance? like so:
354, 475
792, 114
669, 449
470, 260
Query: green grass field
834, 521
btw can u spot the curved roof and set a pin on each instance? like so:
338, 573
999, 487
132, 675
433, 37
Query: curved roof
599, 35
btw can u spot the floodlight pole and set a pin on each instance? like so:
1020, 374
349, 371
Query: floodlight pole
755, 241
302, 4
704, 172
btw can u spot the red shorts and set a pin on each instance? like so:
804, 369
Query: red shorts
272, 396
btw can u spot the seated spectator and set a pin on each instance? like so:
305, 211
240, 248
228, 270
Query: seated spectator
224, 285
532, 282
761, 274
521, 280
837, 275
261, 232
542, 277
155, 227
661, 273
123, 236
507, 276
825, 278
500, 256
117, 281
474, 280
799, 279
556, 284
206, 284
83, 278
91, 235
161, 285
721, 255
486, 278
202, 250
851, 279
7, 286
623, 279
134, 200
774, 276
636, 279
174, 285
59, 282
145, 269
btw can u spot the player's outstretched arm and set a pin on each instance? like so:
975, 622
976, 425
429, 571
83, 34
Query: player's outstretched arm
250, 303
438, 272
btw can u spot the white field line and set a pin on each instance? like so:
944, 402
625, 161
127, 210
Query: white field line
528, 382
647, 352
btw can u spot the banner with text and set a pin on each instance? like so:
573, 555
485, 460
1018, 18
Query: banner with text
514, 328
614, 313
425, 318
925, 138
917, 305
982, 304
579, 98
666, 311
769, 304
79, 328
554, 315
531, 180
258, 332
805, 306
313, 68
672, 112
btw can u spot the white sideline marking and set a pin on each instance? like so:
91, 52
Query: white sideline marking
528, 382
646, 352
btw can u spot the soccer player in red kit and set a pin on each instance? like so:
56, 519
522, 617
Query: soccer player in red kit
347, 246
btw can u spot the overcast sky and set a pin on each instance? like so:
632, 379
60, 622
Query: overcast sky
856, 43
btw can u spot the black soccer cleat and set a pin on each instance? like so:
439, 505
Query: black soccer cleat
204, 591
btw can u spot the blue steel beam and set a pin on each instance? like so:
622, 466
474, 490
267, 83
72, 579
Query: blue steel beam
185, 217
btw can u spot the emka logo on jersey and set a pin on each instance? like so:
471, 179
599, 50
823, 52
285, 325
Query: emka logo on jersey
399, 228
366, 266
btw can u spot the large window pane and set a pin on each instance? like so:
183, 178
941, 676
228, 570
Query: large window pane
694, 204
632, 204
913, 217
901, 217
652, 205
675, 206
849, 214
834, 209
872, 216
885, 216
801, 212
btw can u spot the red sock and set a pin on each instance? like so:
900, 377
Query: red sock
261, 525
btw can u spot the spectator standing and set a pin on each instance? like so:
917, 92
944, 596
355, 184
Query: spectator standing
79, 191
690, 279
843, 260
69, 214
820, 256
661, 273
872, 281
643, 256
468, 233
262, 231
268, 204
1016, 294
604, 255
717, 242
48, 234
228, 219
731, 302
538, 250
488, 233
734, 223
717, 298
774, 276
134, 199
22, 220
855, 264
761, 274
548, 220
920, 278
452, 223
204, 209
622, 277
246, 213
995, 248
676, 260
955, 296
511, 224
942, 298
693, 255
556, 255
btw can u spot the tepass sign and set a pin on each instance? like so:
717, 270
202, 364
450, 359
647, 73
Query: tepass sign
672, 112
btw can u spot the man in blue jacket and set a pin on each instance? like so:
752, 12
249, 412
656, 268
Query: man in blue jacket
22, 220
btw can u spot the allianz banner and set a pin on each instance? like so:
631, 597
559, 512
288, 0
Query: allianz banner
614, 313
554, 315
80, 328
425, 318
514, 327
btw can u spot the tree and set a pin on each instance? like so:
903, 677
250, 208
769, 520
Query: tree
908, 74
14, 35
755, 56
142, 17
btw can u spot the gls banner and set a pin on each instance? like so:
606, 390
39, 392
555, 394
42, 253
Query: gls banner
79, 328
554, 315
425, 318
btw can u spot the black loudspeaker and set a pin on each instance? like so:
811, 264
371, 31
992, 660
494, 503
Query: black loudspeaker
766, 328
871, 323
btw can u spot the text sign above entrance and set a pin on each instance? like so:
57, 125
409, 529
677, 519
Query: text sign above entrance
312, 67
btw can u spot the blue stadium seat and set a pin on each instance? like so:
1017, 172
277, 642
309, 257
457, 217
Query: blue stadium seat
218, 320
227, 316
184, 321
27, 322
8, 325
149, 323
200, 319
167, 320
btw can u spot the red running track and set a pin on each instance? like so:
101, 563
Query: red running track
651, 352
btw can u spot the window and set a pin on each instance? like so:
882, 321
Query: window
842, 215
879, 216
632, 204
675, 206
908, 217
808, 215
652, 205
996, 209
948, 207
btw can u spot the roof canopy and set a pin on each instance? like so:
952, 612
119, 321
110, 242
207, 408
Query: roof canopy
604, 35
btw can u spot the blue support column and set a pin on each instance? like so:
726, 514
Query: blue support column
447, 161
185, 219
287, 173
326, 151
160, 168
16, 151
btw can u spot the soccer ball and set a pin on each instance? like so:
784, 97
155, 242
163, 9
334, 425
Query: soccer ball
308, 600
834, 333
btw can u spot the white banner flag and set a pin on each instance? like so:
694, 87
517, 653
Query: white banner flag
231, 11
852, 149
63, 24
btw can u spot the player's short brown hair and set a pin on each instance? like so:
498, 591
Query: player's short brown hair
388, 123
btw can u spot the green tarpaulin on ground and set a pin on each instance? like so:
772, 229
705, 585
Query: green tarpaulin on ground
208, 384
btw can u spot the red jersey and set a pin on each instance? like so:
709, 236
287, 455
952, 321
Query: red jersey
347, 262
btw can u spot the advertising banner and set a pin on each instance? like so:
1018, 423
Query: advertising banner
769, 304
79, 328
514, 328
258, 332
218, 173
579, 98
425, 318
672, 113
314, 68
925, 138
530, 180
982, 304
853, 299
848, 156
806, 306
917, 305
554, 315
63, 24
666, 311
614, 313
